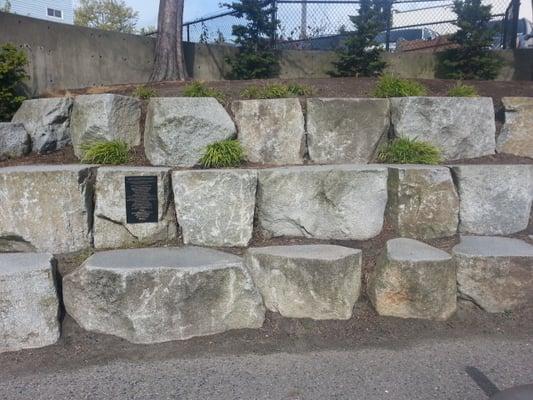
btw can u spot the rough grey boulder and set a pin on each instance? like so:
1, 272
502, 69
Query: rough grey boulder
346, 130
29, 307
105, 117
322, 202
423, 202
271, 131
14, 140
307, 281
216, 207
47, 122
461, 127
163, 294
46, 207
111, 227
413, 280
178, 129
516, 136
495, 199
495, 272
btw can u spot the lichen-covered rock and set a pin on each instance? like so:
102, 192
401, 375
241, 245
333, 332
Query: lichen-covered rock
111, 227
322, 202
461, 127
307, 281
215, 207
413, 280
47, 121
14, 140
162, 294
179, 128
46, 207
105, 117
346, 130
29, 307
495, 272
271, 131
423, 202
495, 199
516, 136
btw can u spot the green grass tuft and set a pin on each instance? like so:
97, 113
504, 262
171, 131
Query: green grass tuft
144, 92
462, 90
223, 154
114, 152
409, 151
276, 91
200, 89
391, 86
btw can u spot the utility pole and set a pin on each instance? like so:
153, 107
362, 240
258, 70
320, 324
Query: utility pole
303, 22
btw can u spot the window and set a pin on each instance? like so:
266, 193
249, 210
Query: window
54, 13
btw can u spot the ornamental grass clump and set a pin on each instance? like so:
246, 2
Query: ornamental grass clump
462, 90
276, 91
223, 154
410, 151
200, 89
144, 92
114, 152
391, 86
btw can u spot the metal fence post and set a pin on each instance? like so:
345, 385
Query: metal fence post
188, 32
514, 29
388, 22
274, 18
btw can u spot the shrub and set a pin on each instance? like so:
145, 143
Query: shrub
462, 90
12, 74
200, 89
114, 152
409, 151
144, 92
227, 153
276, 91
391, 86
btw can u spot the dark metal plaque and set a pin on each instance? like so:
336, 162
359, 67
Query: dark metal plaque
141, 199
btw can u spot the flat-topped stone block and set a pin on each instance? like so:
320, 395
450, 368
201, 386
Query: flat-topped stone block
178, 129
346, 130
111, 227
307, 281
516, 136
215, 207
162, 294
496, 273
322, 202
47, 207
413, 280
29, 306
14, 140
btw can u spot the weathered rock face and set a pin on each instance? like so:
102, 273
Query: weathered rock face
346, 130
28, 301
423, 202
111, 227
460, 127
47, 122
309, 281
322, 202
105, 117
178, 129
413, 280
14, 140
47, 207
215, 208
494, 272
495, 199
158, 295
271, 131
516, 136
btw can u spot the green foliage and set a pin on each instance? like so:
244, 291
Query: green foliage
472, 58
276, 91
409, 151
114, 152
109, 15
12, 74
391, 86
223, 154
361, 53
256, 59
200, 89
462, 90
144, 92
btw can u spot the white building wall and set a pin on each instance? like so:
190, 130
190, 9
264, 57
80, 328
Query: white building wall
38, 9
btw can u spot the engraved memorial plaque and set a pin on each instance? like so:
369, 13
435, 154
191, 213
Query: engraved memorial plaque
141, 199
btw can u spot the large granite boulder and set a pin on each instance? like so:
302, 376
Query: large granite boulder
271, 131
178, 129
307, 281
496, 273
495, 199
47, 207
29, 307
322, 202
158, 295
47, 122
516, 136
423, 202
14, 140
413, 280
215, 207
112, 229
461, 127
346, 130
105, 117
